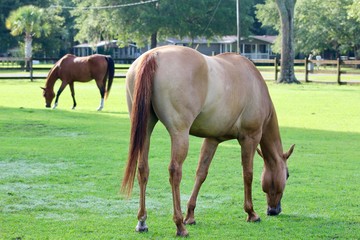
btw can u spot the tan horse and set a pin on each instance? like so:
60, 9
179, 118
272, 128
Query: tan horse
82, 69
217, 98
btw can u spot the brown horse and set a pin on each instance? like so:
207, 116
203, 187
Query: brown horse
217, 98
82, 69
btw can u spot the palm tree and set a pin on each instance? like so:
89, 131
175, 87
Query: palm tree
28, 20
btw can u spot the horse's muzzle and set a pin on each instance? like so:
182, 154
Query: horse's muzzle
274, 211
48, 106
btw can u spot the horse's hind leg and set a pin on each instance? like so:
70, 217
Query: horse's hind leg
179, 149
72, 94
143, 176
102, 93
207, 153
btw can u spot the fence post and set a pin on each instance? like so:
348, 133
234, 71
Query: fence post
276, 68
306, 70
338, 69
31, 70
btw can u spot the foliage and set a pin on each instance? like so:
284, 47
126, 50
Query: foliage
354, 10
62, 169
268, 15
323, 25
190, 18
6, 6
33, 22
58, 21
61, 38
319, 25
27, 20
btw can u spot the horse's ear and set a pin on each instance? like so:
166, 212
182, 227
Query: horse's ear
288, 153
259, 152
42, 88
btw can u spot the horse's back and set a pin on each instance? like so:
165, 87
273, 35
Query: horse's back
212, 96
82, 69
179, 85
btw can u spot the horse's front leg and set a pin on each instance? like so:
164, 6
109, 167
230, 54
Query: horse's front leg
179, 149
72, 94
206, 155
62, 87
248, 147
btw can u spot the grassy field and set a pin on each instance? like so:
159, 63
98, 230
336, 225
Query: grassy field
60, 170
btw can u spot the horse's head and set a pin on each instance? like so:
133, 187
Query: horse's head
49, 95
273, 181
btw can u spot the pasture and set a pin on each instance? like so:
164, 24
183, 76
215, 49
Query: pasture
60, 170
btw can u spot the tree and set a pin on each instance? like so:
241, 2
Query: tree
354, 10
326, 25
319, 25
268, 15
6, 6
157, 20
60, 39
286, 11
27, 20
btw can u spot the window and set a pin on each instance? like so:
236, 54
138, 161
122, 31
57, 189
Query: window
263, 48
250, 48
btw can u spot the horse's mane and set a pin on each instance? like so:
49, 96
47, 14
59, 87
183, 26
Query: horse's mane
52, 75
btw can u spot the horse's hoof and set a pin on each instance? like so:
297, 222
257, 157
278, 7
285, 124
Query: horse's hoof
255, 218
182, 233
141, 230
141, 227
190, 222
274, 211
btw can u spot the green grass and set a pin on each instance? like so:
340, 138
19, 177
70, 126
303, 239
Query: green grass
60, 170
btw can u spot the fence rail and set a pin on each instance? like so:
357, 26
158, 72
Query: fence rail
33, 72
310, 68
316, 68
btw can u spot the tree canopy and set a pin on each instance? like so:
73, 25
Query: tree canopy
156, 20
319, 25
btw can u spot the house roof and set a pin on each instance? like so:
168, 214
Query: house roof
199, 40
265, 38
100, 44
225, 39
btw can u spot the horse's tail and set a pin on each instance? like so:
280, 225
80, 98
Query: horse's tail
110, 75
140, 112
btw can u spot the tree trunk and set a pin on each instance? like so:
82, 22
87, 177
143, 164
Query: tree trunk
153, 40
28, 51
286, 10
